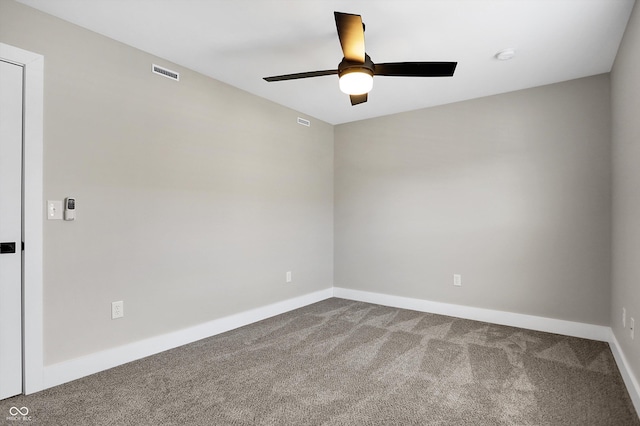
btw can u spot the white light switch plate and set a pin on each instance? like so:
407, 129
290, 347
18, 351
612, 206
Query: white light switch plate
54, 210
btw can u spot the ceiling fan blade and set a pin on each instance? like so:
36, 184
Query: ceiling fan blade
301, 75
358, 99
416, 69
351, 35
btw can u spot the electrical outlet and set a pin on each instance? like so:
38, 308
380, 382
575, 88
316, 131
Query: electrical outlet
117, 309
457, 280
632, 327
288, 276
624, 318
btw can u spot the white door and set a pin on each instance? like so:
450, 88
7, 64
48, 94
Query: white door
11, 89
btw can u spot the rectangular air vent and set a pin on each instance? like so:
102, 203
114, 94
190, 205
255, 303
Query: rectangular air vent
165, 72
304, 122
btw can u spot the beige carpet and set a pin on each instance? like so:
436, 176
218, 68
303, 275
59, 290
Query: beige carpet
340, 362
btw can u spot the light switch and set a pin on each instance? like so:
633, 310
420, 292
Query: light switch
54, 210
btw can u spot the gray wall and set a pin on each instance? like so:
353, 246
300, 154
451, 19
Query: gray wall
625, 100
194, 198
510, 191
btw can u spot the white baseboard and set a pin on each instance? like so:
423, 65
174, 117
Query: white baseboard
530, 322
633, 387
73, 369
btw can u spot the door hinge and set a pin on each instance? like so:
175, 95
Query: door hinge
23, 246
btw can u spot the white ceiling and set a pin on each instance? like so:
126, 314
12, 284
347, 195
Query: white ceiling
241, 41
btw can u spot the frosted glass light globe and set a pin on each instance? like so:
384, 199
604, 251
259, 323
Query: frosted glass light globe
356, 83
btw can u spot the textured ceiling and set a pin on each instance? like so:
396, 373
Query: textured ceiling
241, 41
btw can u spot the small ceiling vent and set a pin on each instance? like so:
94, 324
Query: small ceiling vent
304, 122
165, 72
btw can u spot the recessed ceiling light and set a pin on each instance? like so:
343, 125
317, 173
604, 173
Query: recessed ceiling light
505, 54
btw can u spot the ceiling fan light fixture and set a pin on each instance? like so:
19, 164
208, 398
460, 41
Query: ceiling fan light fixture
356, 70
356, 82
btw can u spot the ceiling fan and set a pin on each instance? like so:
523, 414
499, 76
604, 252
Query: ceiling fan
356, 70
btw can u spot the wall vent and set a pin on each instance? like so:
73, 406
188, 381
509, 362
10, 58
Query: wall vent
165, 72
304, 122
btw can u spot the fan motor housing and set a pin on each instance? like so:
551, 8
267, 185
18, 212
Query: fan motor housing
346, 67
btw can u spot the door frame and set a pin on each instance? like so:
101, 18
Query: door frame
33, 214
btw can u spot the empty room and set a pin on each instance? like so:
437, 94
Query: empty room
317, 212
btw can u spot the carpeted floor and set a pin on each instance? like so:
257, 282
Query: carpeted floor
340, 362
